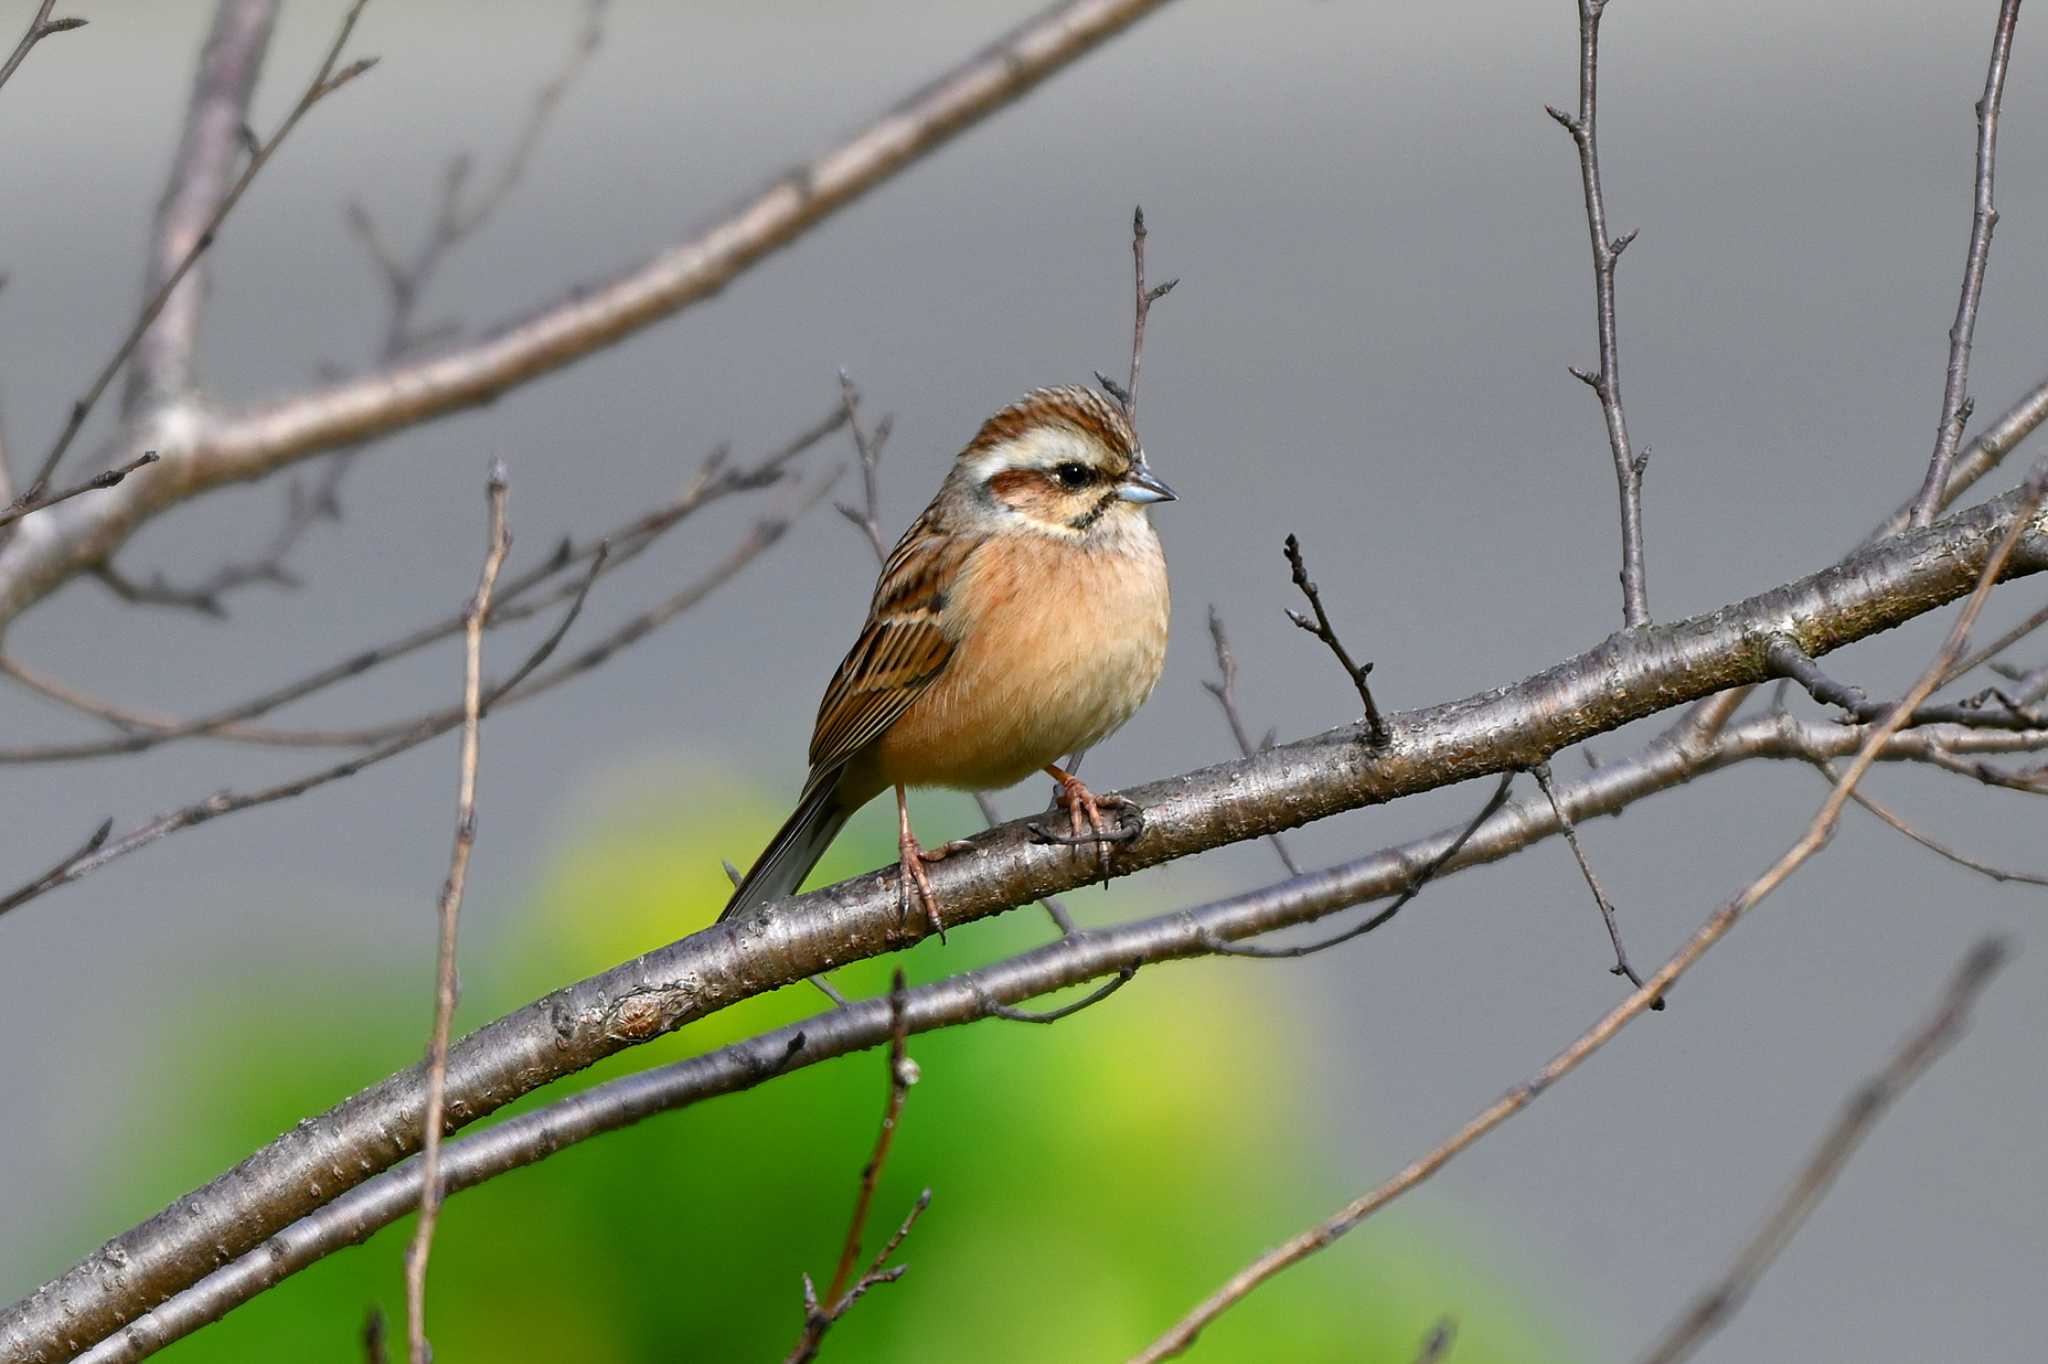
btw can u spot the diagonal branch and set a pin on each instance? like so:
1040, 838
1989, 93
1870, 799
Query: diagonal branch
1869, 1103
249, 445
988, 992
1955, 400
1818, 831
1626, 677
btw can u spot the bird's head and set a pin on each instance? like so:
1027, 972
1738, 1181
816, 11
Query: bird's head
1063, 460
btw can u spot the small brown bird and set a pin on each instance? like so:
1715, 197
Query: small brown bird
1022, 617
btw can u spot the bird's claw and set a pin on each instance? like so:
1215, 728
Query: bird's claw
1085, 822
917, 885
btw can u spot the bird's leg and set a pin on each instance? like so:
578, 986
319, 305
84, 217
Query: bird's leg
1084, 811
914, 881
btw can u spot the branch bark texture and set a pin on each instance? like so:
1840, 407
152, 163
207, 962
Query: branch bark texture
1627, 677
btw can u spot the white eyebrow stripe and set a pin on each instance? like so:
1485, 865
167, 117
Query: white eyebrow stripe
1041, 447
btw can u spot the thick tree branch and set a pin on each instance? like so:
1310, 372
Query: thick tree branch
992, 992
211, 450
1818, 831
1626, 677
1955, 401
1869, 1103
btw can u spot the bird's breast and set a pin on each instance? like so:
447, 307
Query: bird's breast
1058, 645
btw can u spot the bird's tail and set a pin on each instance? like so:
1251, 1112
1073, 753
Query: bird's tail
795, 849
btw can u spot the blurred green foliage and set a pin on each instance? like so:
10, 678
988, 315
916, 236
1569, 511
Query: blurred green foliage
1092, 1180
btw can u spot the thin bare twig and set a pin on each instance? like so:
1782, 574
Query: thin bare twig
1606, 381
230, 802
1225, 692
325, 82
1375, 727
1818, 830
1933, 845
1092, 998
57, 875
1621, 967
1414, 887
449, 913
1143, 298
715, 480
1790, 661
374, 1328
1955, 400
1437, 1344
455, 220
39, 28
868, 447
1997, 646
846, 1289
33, 502
1859, 1114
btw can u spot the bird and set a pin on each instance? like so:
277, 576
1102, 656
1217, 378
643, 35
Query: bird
1022, 617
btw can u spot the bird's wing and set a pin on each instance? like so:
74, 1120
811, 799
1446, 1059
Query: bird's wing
902, 649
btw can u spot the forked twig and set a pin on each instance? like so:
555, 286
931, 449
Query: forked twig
846, 1289
39, 28
1859, 1114
1143, 298
449, 913
1375, 727
1606, 381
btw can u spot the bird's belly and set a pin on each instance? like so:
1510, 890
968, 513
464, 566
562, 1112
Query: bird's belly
1054, 664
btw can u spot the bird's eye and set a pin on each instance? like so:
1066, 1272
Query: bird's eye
1073, 475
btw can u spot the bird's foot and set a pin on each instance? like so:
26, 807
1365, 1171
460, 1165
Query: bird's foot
1085, 821
916, 884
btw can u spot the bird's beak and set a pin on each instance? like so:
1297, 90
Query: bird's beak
1141, 486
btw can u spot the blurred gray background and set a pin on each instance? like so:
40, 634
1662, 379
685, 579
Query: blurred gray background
1384, 266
